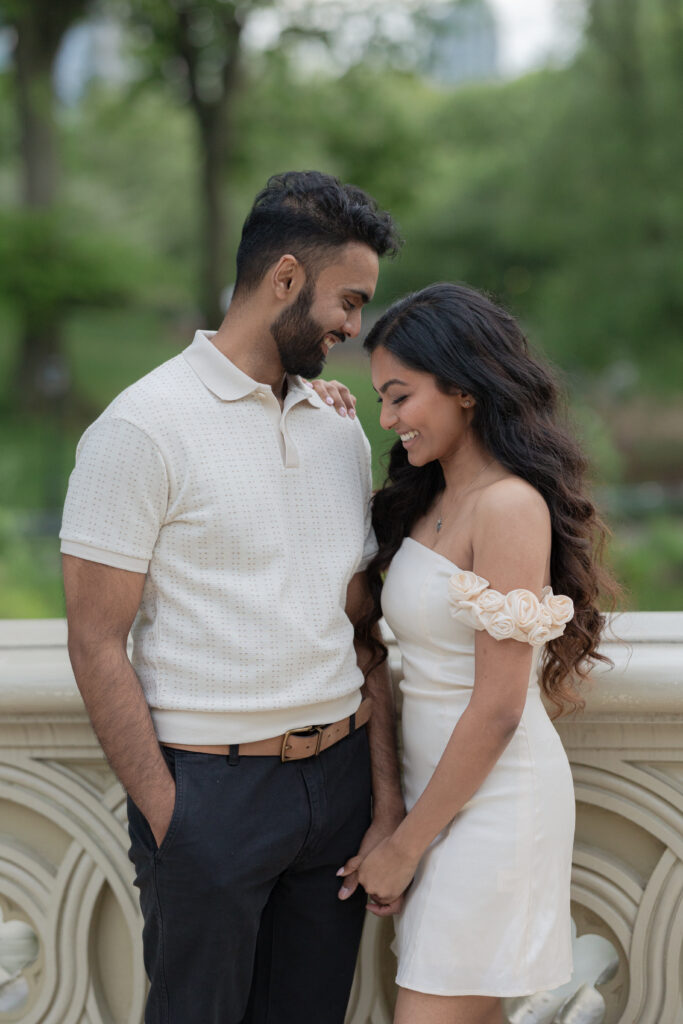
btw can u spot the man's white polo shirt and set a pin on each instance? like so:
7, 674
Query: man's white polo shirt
249, 521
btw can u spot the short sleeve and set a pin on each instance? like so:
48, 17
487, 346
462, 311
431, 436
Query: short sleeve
370, 545
117, 496
517, 615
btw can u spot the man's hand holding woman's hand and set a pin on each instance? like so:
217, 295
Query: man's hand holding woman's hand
383, 869
385, 874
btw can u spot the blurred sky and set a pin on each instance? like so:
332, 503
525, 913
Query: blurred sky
535, 31
530, 33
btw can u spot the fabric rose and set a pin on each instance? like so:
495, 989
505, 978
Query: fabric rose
463, 586
524, 608
490, 601
499, 624
561, 608
518, 615
539, 634
545, 617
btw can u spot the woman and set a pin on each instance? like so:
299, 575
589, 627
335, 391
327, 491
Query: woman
488, 543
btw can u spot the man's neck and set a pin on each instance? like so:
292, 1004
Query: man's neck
250, 347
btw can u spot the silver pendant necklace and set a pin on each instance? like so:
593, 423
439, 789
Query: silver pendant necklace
439, 522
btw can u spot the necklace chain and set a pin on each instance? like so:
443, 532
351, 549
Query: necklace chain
439, 522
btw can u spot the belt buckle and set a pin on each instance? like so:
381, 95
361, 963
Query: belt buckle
301, 732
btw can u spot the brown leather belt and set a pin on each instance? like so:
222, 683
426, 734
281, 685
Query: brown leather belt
292, 745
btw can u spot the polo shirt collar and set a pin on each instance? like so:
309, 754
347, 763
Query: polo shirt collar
297, 391
229, 383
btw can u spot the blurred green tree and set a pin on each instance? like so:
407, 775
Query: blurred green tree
560, 194
39, 28
52, 258
194, 46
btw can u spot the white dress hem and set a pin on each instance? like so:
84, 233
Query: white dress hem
510, 992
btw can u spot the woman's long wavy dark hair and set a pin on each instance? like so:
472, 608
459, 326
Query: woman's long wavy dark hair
474, 347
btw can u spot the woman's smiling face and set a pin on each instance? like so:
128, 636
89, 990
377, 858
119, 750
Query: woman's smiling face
430, 423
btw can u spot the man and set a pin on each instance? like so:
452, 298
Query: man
221, 510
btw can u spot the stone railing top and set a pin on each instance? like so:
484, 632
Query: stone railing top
646, 648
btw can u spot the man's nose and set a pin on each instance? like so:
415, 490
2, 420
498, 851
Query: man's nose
353, 324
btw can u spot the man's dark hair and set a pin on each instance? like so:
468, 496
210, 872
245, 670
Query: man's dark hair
309, 214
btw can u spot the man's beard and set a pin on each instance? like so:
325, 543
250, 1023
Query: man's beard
298, 337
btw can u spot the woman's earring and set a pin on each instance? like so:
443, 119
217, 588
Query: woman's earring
467, 403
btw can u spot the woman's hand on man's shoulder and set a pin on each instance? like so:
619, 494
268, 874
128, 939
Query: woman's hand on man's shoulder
335, 394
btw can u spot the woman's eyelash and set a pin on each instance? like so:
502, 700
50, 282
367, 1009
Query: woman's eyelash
394, 401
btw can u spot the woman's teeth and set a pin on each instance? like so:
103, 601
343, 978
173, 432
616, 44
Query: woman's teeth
410, 435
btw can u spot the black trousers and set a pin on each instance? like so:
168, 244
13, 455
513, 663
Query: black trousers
242, 924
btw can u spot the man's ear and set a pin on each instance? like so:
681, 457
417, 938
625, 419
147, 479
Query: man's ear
287, 277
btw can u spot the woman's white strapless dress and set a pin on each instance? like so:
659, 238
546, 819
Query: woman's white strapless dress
488, 910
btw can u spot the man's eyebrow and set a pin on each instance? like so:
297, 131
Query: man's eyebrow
394, 380
361, 294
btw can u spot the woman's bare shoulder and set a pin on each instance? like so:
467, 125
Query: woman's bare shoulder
512, 535
511, 496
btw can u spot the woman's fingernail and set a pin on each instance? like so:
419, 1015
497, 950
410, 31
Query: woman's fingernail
342, 410
352, 413
344, 892
329, 400
340, 872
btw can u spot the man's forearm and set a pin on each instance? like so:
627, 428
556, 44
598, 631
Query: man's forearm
122, 722
386, 784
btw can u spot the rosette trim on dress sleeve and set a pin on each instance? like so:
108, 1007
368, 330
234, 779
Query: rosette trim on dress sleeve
518, 615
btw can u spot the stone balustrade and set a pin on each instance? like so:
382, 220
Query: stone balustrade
70, 947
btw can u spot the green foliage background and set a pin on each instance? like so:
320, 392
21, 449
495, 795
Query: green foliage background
558, 192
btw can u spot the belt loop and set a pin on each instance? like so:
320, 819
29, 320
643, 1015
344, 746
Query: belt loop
352, 723
234, 755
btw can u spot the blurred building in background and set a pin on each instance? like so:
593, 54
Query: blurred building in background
464, 42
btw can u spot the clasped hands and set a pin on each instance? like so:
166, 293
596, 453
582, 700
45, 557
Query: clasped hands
383, 869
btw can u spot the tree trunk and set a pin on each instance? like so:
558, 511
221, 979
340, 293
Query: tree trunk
41, 376
213, 115
215, 153
673, 14
613, 24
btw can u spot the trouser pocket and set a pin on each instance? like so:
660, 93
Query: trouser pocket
140, 832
